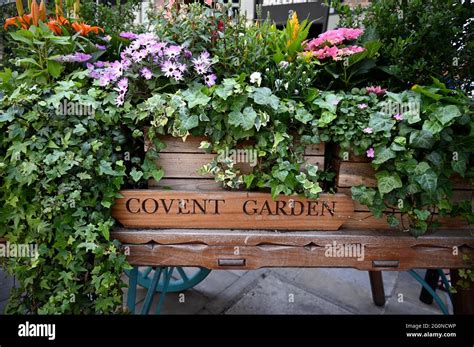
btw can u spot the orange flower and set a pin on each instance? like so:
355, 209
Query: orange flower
84, 29
35, 12
55, 24
24, 21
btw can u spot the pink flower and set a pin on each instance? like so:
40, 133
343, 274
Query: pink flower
335, 37
362, 106
370, 153
376, 90
398, 117
208, 2
146, 73
368, 130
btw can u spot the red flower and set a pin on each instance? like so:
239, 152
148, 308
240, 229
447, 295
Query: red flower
220, 26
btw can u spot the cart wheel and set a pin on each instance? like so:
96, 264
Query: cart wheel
182, 278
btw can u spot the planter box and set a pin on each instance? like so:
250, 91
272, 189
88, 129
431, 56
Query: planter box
185, 199
357, 170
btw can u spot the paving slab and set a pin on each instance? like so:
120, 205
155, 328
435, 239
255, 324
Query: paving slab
216, 282
347, 288
272, 296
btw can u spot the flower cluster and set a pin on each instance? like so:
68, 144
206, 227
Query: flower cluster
332, 44
149, 57
74, 58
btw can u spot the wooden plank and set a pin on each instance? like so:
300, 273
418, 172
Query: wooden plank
245, 237
185, 184
250, 258
315, 149
177, 145
353, 174
366, 221
458, 196
315, 160
223, 209
183, 165
363, 250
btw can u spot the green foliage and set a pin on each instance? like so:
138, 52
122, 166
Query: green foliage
115, 18
419, 39
59, 177
415, 156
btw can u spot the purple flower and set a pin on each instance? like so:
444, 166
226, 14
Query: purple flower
182, 67
146, 73
210, 80
201, 69
99, 64
370, 153
398, 117
106, 38
128, 35
173, 51
122, 85
177, 75
100, 47
168, 68
74, 58
188, 54
362, 106
368, 130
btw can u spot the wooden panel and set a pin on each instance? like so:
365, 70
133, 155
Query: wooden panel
183, 165
458, 196
177, 145
222, 209
361, 249
185, 184
352, 174
318, 149
366, 221
315, 160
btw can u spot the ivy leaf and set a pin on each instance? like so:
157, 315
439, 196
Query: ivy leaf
381, 122
383, 154
303, 115
422, 214
447, 113
422, 139
428, 181
326, 118
248, 179
432, 126
386, 181
363, 195
195, 97
136, 175
190, 122
245, 119
264, 96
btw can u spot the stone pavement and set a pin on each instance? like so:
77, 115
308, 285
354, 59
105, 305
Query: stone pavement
286, 291
296, 291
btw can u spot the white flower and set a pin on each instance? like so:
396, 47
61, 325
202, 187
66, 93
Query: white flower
286, 85
256, 77
284, 64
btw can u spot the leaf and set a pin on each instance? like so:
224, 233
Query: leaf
54, 68
428, 181
303, 115
386, 182
245, 119
363, 195
326, 118
445, 114
136, 175
248, 179
382, 155
432, 126
421, 139
190, 122
381, 122
264, 96
195, 97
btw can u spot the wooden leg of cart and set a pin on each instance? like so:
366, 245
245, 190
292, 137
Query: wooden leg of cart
463, 299
376, 284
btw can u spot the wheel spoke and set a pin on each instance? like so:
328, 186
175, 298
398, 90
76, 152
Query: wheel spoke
147, 271
183, 274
